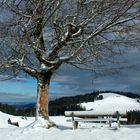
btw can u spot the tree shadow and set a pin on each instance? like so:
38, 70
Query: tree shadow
62, 127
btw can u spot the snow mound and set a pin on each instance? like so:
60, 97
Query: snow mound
112, 102
40, 122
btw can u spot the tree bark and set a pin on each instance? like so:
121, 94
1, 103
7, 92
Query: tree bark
42, 100
42, 105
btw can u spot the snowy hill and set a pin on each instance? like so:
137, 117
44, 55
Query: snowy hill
111, 103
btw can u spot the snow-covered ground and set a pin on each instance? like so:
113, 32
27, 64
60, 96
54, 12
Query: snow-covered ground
64, 131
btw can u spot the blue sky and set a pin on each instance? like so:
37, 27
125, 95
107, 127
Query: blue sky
22, 90
15, 86
23, 86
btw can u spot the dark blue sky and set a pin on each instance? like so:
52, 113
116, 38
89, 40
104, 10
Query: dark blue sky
70, 81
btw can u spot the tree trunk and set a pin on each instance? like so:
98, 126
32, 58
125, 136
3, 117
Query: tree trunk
42, 100
42, 112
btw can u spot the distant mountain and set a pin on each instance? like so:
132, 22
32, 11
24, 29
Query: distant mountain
25, 105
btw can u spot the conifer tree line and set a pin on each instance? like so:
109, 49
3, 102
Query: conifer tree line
10, 109
133, 117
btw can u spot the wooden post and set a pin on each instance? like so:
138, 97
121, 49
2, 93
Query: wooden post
118, 118
110, 121
74, 123
72, 114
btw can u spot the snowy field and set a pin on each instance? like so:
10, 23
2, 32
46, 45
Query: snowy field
64, 131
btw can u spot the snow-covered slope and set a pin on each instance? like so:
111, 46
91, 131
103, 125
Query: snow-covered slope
21, 120
3, 120
111, 103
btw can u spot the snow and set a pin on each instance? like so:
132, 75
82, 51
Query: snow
64, 57
43, 66
3, 120
64, 131
112, 103
21, 121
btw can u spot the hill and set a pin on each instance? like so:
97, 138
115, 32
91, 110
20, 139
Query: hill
112, 102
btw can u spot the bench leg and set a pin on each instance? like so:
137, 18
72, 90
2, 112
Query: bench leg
118, 122
75, 125
110, 123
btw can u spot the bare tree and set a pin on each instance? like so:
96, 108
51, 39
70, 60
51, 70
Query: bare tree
38, 36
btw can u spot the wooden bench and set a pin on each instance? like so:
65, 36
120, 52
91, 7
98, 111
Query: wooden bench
90, 116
